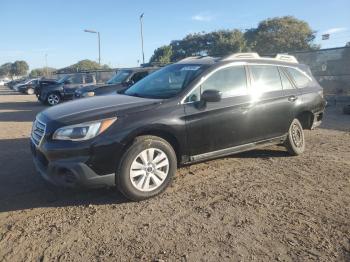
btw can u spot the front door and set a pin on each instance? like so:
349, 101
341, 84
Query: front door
214, 126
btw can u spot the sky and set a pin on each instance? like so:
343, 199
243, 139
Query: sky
31, 30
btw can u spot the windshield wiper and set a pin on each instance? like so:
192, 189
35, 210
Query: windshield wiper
134, 94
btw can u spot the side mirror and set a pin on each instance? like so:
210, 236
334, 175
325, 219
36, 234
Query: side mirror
211, 95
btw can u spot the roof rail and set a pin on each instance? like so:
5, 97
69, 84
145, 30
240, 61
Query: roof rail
241, 56
286, 58
190, 58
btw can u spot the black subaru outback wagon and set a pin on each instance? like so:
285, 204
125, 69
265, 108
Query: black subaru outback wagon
197, 109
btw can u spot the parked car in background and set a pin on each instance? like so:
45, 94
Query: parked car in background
121, 81
27, 87
197, 109
4, 81
54, 92
14, 82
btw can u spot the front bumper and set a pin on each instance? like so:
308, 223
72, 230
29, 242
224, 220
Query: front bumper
72, 172
317, 119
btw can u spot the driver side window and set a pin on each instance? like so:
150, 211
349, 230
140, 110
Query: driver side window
231, 81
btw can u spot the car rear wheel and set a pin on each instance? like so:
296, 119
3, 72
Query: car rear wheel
295, 142
30, 91
53, 99
147, 168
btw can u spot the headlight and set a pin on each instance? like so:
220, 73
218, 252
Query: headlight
83, 131
87, 94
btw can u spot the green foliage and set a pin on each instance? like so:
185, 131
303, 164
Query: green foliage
279, 35
39, 72
274, 35
83, 65
217, 43
5, 69
19, 68
222, 43
162, 55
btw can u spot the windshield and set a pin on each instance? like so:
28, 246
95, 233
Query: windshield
119, 77
166, 82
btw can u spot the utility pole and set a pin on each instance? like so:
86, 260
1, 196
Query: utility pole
141, 24
99, 48
46, 68
99, 43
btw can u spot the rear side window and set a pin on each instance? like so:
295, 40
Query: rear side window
266, 78
230, 81
89, 79
285, 81
300, 79
76, 79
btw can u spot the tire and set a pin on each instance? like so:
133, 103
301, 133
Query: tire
30, 91
139, 180
295, 142
53, 99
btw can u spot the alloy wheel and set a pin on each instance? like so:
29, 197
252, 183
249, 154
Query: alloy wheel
53, 99
149, 169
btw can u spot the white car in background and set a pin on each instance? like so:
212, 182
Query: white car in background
3, 81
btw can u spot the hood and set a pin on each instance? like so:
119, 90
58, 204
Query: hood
48, 81
95, 108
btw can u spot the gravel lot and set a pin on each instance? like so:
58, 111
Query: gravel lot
259, 205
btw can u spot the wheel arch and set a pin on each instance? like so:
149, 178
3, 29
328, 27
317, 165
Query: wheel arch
163, 133
306, 119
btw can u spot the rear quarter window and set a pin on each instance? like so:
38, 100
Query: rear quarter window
285, 81
300, 79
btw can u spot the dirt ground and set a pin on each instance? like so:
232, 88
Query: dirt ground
257, 206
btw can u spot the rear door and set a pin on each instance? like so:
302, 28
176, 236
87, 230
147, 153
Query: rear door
271, 108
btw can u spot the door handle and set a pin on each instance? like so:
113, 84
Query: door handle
292, 98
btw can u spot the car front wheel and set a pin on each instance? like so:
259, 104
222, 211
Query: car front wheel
53, 99
147, 168
295, 142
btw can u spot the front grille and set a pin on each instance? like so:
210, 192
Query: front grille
38, 131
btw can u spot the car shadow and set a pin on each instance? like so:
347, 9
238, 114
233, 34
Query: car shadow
263, 153
21, 187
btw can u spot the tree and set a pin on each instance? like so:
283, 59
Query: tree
83, 65
162, 55
280, 35
39, 72
5, 69
222, 43
19, 68
217, 43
